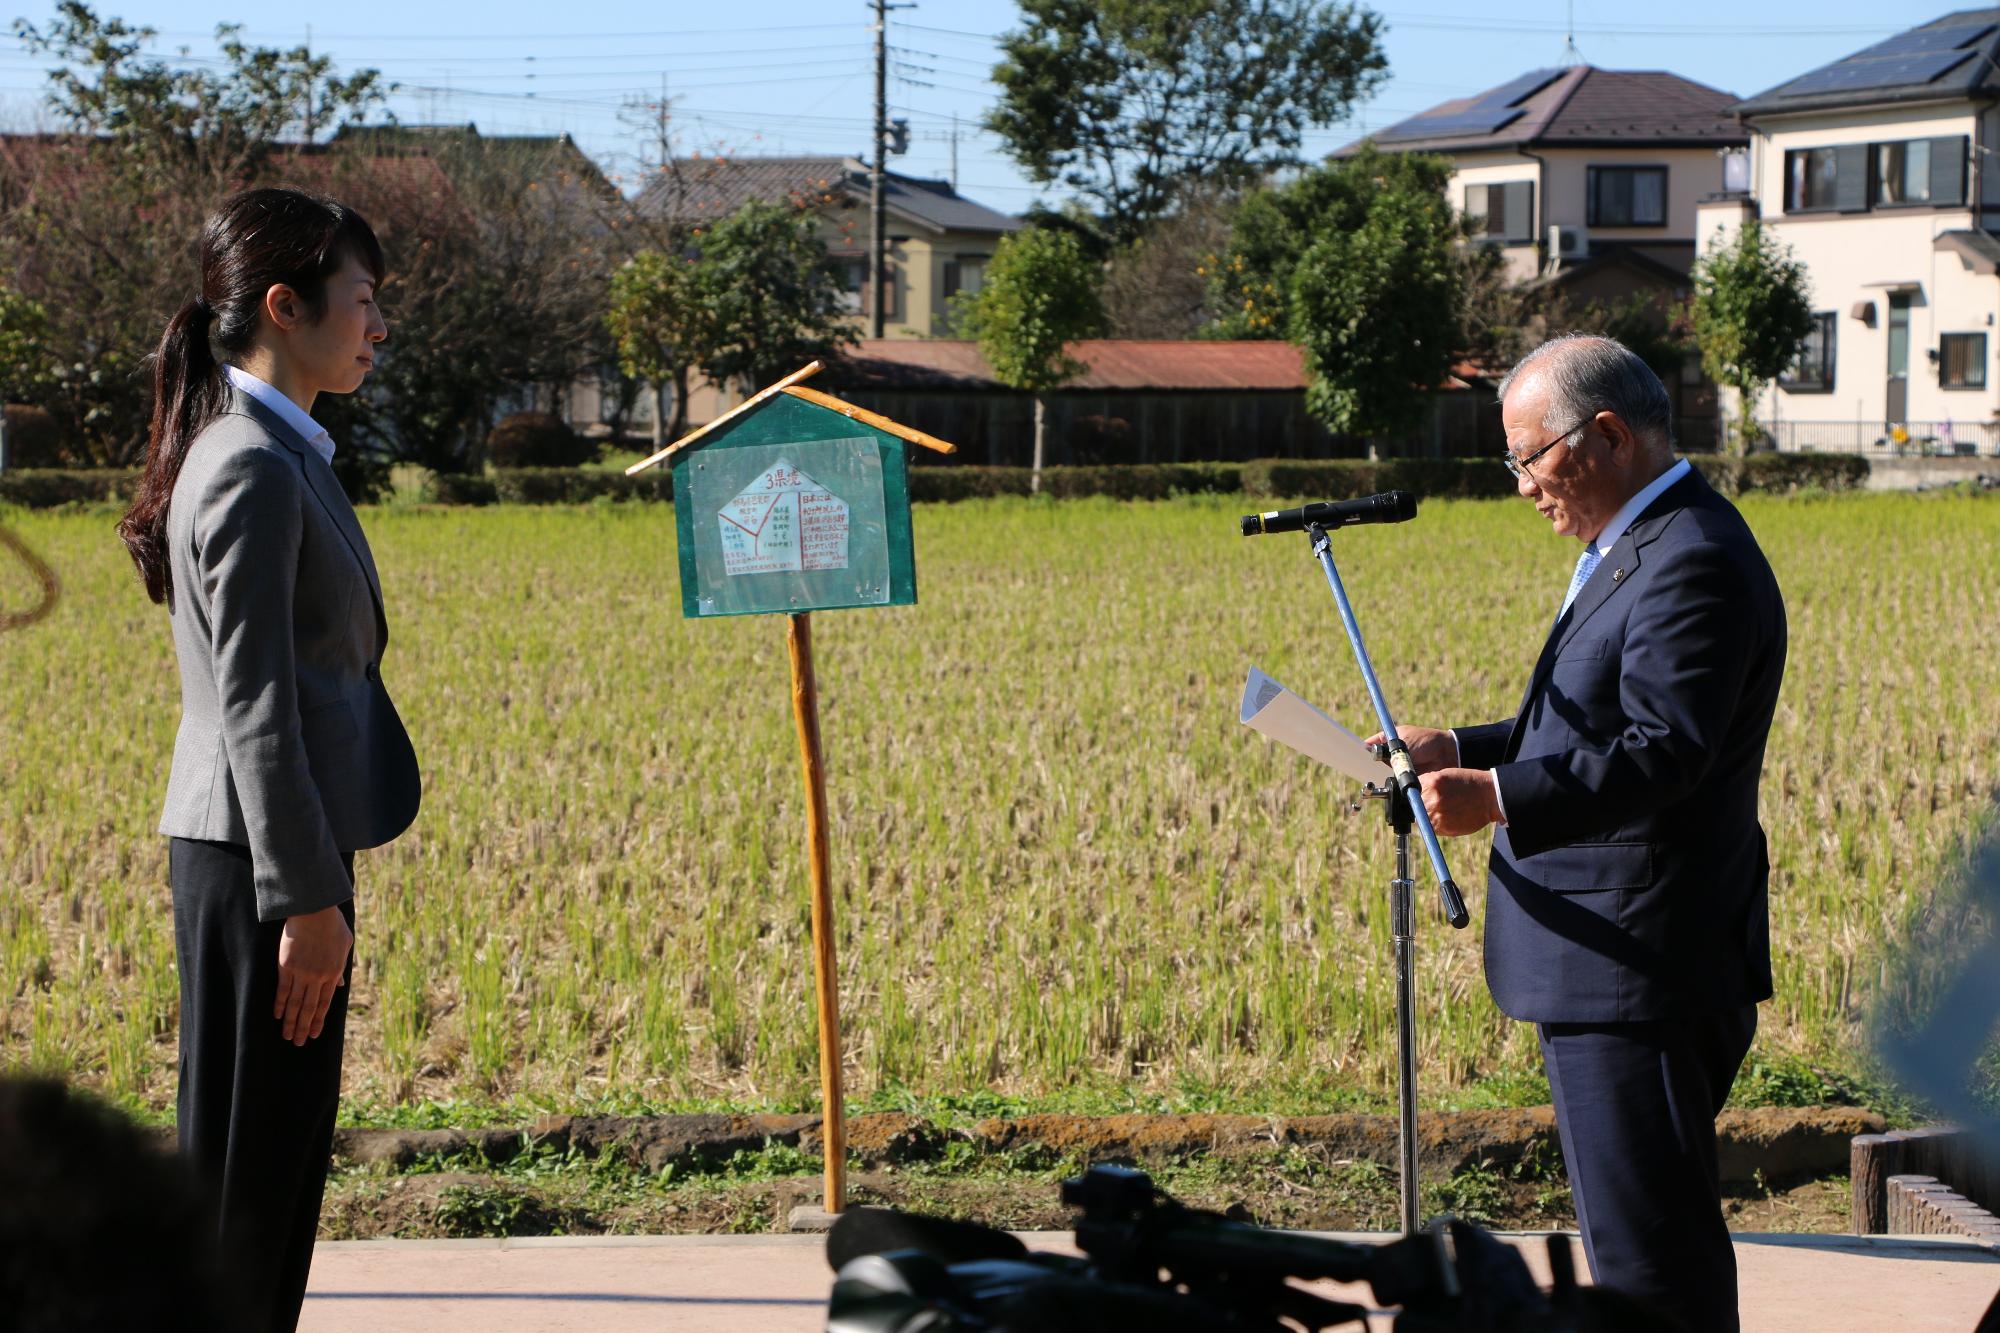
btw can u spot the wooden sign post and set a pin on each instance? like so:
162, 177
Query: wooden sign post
790, 503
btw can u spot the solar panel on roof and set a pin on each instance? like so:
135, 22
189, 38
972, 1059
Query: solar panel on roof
1925, 41
1891, 72
1514, 90
1471, 121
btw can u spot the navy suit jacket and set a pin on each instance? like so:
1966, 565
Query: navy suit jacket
1628, 883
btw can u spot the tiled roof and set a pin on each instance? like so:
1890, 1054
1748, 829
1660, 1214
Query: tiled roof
698, 188
1579, 105
1945, 59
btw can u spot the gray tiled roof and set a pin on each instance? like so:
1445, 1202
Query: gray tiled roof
710, 187
1947, 58
1576, 106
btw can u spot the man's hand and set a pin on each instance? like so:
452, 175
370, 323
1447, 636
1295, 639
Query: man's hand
1460, 800
1430, 749
312, 963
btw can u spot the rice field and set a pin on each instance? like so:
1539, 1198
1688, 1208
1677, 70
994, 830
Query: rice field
1058, 859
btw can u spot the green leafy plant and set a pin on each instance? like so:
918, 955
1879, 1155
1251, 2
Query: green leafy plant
1751, 315
1040, 295
1127, 102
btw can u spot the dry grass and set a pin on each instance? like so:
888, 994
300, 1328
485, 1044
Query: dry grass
1058, 858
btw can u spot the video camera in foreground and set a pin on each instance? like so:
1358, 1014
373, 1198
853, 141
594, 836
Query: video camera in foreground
1150, 1263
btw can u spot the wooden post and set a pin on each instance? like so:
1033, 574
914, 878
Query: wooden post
1872, 1159
826, 977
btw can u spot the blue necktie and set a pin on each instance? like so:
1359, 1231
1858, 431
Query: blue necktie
1586, 565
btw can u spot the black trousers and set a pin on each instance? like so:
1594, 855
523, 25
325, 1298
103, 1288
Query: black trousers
1635, 1108
255, 1112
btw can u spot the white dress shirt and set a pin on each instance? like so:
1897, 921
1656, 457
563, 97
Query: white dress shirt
1606, 539
290, 412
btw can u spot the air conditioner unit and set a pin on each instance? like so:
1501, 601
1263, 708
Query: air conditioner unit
1568, 242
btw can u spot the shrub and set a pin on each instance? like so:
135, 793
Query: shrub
1783, 472
537, 440
459, 488
33, 438
45, 488
1347, 478
1132, 481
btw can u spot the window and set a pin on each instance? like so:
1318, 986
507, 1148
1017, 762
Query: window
1962, 361
1810, 179
967, 274
1920, 171
1903, 172
853, 281
1504, 212
1626, 196
1812, 372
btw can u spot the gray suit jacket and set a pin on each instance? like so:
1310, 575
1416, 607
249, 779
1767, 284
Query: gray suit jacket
288, 742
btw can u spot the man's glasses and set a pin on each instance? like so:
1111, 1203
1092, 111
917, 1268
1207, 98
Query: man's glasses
1519, 466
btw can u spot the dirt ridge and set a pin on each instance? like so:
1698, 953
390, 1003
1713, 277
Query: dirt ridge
1776, 1142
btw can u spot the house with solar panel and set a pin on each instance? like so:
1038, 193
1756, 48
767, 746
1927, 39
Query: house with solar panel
1569, 168
1878, 171
1587, 181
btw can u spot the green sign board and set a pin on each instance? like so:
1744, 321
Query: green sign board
793, 507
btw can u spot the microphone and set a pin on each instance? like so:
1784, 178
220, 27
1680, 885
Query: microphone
1388, 507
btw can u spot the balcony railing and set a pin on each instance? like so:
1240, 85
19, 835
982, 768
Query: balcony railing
1912, 439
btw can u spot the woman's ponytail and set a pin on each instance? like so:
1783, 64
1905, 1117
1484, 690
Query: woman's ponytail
188, 393
257, 240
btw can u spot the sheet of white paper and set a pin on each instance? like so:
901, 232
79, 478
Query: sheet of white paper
1270, 708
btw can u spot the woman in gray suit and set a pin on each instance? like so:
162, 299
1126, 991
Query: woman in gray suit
290, 754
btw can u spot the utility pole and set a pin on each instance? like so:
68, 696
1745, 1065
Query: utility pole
877, 240
876, 265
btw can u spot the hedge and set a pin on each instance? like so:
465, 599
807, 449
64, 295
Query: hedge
548, 486
1783, 472
1318, 479
1346, 478
45, 488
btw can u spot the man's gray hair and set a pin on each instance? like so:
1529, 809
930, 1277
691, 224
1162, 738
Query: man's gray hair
1587, 373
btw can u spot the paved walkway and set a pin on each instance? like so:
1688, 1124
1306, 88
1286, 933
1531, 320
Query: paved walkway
779, 1284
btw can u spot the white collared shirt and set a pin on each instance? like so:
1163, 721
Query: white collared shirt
288, 411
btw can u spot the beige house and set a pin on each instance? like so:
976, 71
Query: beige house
939, 242
1570, 167
1876, 172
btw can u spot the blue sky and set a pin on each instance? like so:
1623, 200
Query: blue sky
767, 76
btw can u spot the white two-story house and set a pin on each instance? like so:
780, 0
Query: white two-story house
1876, 173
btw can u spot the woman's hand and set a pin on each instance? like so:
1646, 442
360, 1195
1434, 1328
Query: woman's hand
312, 965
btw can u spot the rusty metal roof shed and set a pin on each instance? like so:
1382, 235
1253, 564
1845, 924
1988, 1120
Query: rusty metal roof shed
1109, 364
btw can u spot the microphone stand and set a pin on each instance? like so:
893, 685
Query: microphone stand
1406, 810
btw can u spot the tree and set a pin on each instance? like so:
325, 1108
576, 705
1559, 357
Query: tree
1751, 314
774, 294
25, 364
1127, 102
662, 321
1375, 308
99, 222
1156, 287
1250, 279
1040, 295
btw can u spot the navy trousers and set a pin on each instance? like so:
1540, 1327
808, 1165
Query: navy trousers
1635, 1108
255, 1113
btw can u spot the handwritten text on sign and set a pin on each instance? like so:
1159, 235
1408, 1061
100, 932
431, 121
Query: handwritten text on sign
783, 522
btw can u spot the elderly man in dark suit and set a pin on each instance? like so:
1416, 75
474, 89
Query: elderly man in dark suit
1625, 911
